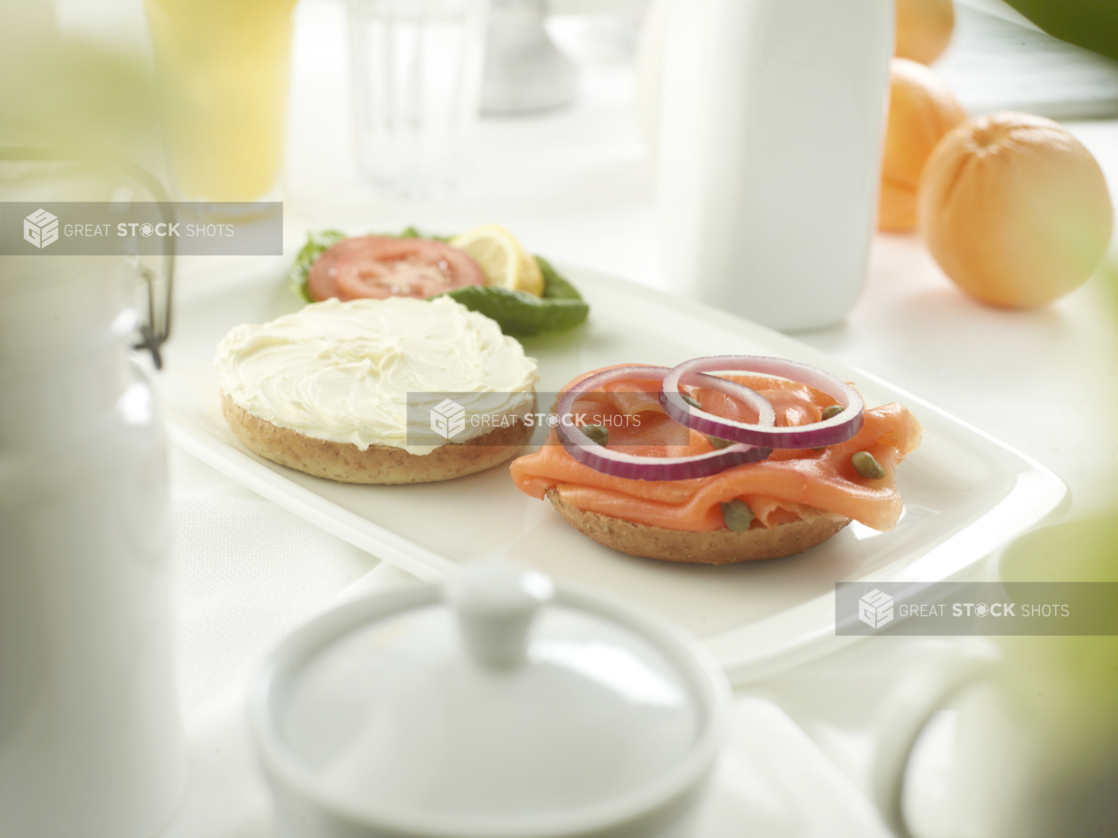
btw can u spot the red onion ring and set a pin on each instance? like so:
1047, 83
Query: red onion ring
617, 464
838, 428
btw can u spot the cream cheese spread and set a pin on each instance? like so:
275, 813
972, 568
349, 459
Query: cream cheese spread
343, 372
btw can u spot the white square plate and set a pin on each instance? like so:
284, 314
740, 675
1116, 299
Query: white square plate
965, 493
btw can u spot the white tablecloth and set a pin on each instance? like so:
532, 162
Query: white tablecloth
575, 184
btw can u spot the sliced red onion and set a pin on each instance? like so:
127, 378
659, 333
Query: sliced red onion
618, 464
838, 428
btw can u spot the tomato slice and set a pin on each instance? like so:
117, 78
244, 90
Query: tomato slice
380, 267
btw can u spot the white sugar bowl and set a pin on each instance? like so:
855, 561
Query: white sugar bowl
496, 706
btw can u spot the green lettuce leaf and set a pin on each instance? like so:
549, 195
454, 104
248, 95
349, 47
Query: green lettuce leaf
316, 243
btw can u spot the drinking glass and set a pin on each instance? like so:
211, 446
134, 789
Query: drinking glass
416, 67
223, 71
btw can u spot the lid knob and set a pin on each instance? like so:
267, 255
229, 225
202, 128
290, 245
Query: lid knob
495, 607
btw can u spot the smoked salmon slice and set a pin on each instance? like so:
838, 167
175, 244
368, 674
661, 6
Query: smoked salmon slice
789, 485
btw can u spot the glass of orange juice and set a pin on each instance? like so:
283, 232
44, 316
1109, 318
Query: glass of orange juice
223, 71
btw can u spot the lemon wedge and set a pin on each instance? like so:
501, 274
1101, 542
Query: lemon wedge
503, 260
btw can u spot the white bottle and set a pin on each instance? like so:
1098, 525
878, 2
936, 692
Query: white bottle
771, 126
90, 739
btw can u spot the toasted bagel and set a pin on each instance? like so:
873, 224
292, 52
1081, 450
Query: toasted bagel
346, 463
715, 547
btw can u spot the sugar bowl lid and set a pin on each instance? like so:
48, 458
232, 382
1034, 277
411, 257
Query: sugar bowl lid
495, 705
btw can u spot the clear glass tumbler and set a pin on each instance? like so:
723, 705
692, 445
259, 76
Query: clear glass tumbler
417, 67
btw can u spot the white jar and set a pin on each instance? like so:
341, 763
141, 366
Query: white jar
496, 707
90, 741
770, 132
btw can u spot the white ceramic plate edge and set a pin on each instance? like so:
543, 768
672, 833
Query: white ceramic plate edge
251, 473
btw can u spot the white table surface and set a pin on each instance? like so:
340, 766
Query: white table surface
576, 184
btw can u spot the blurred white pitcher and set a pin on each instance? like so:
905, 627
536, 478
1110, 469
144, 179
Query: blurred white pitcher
770, 132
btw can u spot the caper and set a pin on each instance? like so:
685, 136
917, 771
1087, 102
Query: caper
719, 442
736, 515
598, 434
866, 466
824, 448
831, 411
691, 401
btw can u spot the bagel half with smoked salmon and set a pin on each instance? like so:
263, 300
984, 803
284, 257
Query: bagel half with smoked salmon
721, 510
721, 546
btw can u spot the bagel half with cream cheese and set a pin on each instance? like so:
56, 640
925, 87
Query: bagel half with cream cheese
343, 390
384, 464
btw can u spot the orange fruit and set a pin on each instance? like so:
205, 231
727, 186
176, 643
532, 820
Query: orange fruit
924, 29
1014, 209
921, 110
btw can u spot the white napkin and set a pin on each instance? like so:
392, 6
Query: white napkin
248, 572
774, 781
